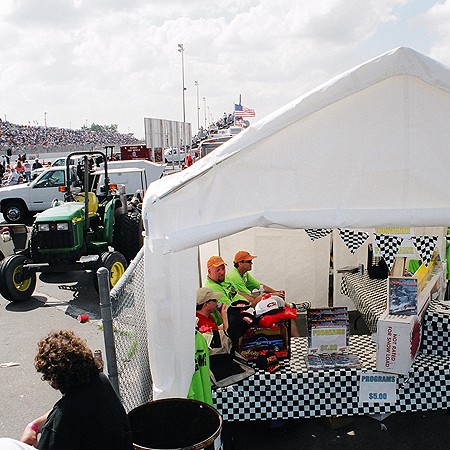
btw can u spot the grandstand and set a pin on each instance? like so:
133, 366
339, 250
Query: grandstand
37, 140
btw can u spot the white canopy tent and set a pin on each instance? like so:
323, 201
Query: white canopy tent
368, 148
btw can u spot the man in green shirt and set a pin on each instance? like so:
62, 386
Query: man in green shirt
217, 283
241, 279
244, 283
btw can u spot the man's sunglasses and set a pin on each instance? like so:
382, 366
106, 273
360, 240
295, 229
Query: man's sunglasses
248, 261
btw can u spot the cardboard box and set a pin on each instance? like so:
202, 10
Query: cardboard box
398, 342
257, 341
399, 337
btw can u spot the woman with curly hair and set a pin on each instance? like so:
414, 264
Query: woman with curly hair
89, 415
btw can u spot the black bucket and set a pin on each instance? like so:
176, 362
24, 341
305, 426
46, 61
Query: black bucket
175, 423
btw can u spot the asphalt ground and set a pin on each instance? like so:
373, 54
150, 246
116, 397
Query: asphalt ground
56, 305
60, 298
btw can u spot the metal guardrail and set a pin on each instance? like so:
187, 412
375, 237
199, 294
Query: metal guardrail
125, 334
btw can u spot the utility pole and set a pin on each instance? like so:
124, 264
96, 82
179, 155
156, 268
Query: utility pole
198, 107
204, 105
181, 50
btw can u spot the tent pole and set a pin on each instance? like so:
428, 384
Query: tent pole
199, 266
331, 275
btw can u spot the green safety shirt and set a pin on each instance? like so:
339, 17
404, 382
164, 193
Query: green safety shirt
447, 254
200, 388
242, 283
227, 290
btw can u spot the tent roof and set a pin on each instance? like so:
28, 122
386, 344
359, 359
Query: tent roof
367, 148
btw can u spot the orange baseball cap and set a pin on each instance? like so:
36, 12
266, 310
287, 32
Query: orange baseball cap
243, 256
215, 261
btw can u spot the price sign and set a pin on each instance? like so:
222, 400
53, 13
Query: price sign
328, 339
377, 387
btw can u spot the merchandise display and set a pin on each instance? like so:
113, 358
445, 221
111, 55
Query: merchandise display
402, 295
328, 330
293, 391
332, 361
258, 341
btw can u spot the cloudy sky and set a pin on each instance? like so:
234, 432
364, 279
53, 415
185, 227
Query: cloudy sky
77, 62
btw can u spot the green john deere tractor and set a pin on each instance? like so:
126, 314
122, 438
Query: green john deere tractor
92, 228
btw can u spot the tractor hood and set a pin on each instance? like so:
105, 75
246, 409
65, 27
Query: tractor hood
64, 213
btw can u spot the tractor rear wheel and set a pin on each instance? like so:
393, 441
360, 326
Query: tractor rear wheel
13, 284
128, 237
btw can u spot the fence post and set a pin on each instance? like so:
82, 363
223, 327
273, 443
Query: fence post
108, 332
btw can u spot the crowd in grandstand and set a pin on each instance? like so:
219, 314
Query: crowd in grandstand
16, 137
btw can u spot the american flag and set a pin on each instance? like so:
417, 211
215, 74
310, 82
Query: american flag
242, 111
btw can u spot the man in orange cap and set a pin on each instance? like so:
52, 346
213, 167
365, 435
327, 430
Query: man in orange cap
244, 283
217, 283
241, 279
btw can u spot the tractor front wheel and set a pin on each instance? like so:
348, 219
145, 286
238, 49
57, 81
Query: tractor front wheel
16, 284
116, 264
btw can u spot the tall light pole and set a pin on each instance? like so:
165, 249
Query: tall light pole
45, 119
198, 107
204, 106
181, 50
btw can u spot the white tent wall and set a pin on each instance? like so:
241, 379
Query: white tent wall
170, 323
205, 252
367, 149
286, 259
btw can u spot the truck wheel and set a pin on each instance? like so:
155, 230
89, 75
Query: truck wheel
116, 264
13, 286
14, 212
128, 237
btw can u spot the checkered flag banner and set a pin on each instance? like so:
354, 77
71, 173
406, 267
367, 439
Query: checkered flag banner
353, 239
425, 246
317, 233
388, 246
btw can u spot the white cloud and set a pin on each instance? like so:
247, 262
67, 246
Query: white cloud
437, 21
111, 61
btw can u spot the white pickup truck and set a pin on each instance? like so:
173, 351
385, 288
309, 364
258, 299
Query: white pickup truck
20, 202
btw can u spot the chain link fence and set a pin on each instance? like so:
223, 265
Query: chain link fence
130, 335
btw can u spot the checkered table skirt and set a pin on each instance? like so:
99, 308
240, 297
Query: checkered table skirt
436, 330
368, 295
370, 298
294, 391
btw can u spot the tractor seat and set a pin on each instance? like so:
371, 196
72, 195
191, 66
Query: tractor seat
92, 203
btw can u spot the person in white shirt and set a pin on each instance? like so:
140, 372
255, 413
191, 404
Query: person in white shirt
27, 171
13, 178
